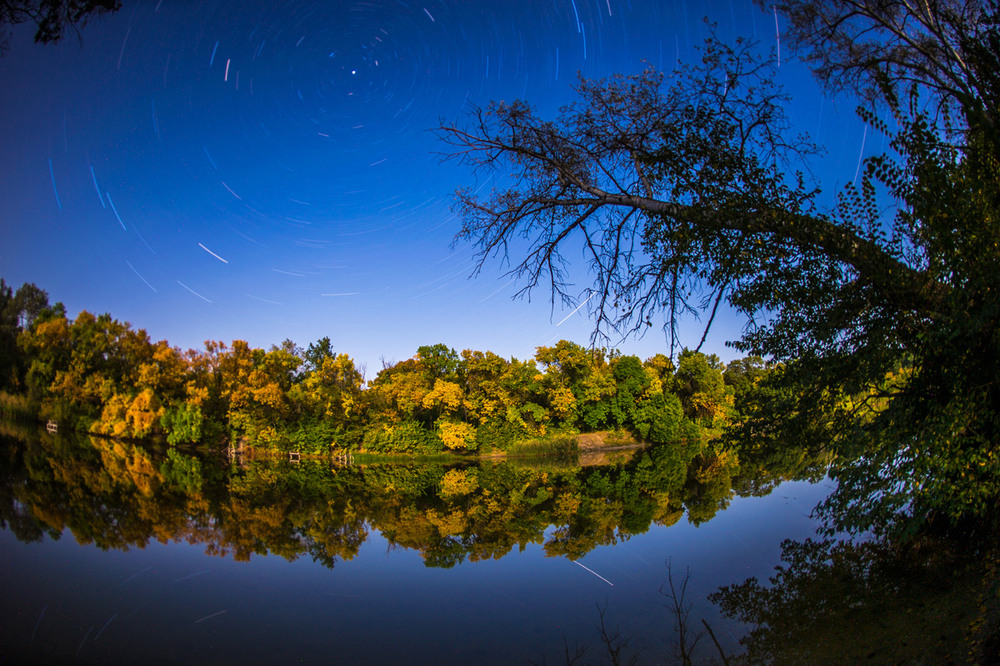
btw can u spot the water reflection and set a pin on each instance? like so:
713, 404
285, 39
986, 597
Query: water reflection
118, 495
828, 601
840, 602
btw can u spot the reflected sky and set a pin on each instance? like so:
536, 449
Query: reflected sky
171, 603
117, 552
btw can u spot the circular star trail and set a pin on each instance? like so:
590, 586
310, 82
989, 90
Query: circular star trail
224, 170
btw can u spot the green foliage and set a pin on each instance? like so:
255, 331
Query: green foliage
120, 494
183, 423
15, 407
317, 353
403, 437
659, 419
439, 360
631, 383
182, 474
496, 435
554, 445
701, 387
689, 189
18, 310
99, 373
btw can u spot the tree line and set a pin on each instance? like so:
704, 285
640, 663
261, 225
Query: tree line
98, 374
691, 189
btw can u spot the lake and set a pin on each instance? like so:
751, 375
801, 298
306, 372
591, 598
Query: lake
115, 552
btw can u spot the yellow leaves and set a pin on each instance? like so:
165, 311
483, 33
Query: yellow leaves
450, 524
562, 402
446, 395
144, 414
130, 416
334, 389
113, 420
722, 464
48, 335
403, 386
165, 372
347, 403
196, 395
456, 435
458, 483
129, 466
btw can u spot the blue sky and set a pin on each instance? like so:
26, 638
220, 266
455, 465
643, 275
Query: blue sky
218, 170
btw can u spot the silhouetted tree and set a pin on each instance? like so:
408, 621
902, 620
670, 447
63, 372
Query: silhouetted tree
51, 17
687, 190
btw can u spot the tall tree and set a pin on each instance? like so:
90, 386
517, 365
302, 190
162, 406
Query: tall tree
688, 190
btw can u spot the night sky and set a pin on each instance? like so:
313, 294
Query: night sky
215, 170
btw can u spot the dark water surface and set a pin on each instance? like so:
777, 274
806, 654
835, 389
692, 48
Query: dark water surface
113, 553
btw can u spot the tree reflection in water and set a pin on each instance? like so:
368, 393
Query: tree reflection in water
839, 602
829, 601
118, 494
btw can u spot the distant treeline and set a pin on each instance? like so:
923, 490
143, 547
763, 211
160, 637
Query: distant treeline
97, 374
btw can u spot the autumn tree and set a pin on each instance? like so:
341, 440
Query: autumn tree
256, 385
505, 398
333, 389
688, 190
440, 361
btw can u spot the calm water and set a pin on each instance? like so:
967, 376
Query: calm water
114, 553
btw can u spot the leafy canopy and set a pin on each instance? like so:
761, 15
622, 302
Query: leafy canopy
687, 190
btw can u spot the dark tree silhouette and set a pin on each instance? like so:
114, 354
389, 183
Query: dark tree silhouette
51, 17
687, 190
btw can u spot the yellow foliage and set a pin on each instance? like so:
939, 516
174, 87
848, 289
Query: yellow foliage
127, 416
445, 394
458, 482
114, 419
566, 505
456, 435
447, 525
562, 401
196, 395
143, 414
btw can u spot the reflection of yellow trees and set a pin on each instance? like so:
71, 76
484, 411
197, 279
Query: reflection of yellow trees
128, 466
119, 494
452, 523
668, 511
458, 482
710, 484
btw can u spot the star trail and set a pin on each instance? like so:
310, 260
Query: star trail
269, 172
